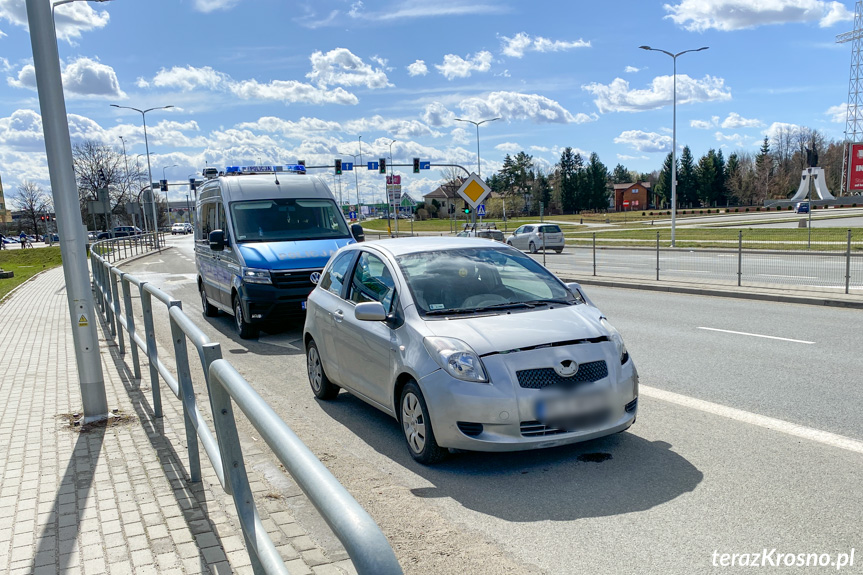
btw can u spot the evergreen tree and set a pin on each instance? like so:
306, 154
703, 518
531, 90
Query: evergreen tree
705, 174
687, 185
596, 187
663, 184
621, 175
718, 193
568, 174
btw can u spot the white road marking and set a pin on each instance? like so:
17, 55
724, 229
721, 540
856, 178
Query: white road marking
788, 428
758, 335
280, 341
792, 277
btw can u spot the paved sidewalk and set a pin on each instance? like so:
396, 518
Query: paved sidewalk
113, 499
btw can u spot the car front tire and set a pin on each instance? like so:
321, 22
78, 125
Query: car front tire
244, 329
321, 385
417, 427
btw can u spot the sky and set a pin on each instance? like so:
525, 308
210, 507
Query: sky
273, 82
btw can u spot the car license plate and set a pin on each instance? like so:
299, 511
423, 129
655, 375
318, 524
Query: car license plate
567, 409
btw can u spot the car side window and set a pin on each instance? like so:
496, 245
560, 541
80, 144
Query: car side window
518, 231
334, 278
372, 281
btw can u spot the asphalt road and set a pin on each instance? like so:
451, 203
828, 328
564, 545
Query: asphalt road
702, 470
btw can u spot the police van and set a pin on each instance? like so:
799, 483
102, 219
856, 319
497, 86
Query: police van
263, 234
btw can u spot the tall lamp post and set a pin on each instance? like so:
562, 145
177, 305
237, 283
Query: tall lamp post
167, 200
392, 178
149, 169
143, 213
477, 124
73, 240
356, 175
674, 134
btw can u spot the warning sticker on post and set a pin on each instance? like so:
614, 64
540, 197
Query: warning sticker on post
82, 321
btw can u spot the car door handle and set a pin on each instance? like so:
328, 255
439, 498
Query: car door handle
338, 315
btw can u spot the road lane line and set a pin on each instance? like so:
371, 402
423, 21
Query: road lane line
758, 335
788, 428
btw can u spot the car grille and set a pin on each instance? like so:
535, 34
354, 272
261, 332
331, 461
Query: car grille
537, 429
547, 377
469, 428
296, 280
573, 423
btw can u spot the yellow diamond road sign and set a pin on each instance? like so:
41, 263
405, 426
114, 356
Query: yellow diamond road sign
474, 190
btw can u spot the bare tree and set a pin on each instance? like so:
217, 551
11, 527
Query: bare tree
33, 201
98, 166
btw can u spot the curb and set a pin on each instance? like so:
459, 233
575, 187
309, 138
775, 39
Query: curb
830, 302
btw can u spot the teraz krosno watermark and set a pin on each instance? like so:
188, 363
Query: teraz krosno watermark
775, 558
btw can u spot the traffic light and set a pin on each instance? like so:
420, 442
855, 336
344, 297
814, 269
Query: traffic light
163, 185
416, 165
192, 185
338, 167
41, 218
467, 210
382, 165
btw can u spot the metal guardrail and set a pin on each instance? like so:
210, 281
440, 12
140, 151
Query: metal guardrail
366, 545
116, 249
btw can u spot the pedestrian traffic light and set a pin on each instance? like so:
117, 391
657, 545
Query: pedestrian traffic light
416, 165
338, 167
382, 165
163, 185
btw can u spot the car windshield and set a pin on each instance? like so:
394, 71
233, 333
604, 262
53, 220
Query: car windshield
471, 280
287, 219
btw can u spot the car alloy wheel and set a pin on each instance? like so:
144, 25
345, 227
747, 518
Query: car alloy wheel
532, 248
417, 426
321, 385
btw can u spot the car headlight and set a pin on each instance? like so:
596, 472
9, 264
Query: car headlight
456, 358
615, 337
256, 276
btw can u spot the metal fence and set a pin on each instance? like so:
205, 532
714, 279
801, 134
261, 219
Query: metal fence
366, 545
117, 249
828, 259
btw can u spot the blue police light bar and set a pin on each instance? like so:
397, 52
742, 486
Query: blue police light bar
291, 168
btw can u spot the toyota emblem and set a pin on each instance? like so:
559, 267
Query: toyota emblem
315, 277
566, 368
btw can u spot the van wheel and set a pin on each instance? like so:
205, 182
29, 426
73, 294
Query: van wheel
244, 329
209, 309
532, 248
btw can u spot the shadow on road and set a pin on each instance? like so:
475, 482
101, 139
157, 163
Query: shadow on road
559, 483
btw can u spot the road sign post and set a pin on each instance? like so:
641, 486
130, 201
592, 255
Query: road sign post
474, 191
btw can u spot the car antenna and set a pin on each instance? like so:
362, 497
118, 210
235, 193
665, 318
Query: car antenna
276, 175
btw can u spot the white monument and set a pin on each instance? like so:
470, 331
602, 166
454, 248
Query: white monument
817, 174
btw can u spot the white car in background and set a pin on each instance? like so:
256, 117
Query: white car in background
536, 237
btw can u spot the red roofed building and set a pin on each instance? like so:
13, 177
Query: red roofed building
638, 195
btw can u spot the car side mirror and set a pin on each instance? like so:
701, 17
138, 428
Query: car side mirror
217, 240
358, 232
578, 292
370, 311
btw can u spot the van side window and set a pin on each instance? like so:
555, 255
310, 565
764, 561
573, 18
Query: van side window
209, 218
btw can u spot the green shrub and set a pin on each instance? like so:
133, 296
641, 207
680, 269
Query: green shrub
747, 209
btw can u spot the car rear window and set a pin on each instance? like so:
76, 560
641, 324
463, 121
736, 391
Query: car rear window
549, 229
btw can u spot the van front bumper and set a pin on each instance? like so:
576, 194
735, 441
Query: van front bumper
284, 299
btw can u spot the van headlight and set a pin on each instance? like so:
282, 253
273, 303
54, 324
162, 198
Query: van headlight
256, 276
456, 358
615, 337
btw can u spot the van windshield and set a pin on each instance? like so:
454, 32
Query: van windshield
287, 219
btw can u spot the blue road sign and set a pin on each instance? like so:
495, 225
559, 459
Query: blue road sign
480, 210
347, 166
352, 215
425, 165
373, 165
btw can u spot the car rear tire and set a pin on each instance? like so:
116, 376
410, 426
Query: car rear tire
321, 385
244, 329
416, 425
532, 248
560, 251
209, 309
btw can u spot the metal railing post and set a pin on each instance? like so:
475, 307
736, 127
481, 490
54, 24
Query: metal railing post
152, 354
739, 258
594, 253
234, 466
657, 256
109, 304
187, 395
115, 297
543, 248
130, 324
848, 263
211, 352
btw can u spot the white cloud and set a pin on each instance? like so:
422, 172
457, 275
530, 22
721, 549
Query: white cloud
287, 91
735, 121
705, 124
509, 147
299, 129
541, 149
401, 129
627, 157
213, 5
516, 106
733, 138
71, 20
5, 66
631, 69
418, 68
460, 136
618, 97
457, 67
516, 46
405, 10
644, 141
838, 114
22, 131
82, 78
436, 114
779, 128
727, 15
340, 67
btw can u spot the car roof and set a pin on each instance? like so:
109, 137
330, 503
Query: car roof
402, 246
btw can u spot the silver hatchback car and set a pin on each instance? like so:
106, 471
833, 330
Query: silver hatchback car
469, 344
536, 237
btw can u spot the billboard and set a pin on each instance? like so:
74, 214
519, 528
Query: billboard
855, 168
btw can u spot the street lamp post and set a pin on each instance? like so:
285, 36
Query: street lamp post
356, 175
149, 169
167, 200
73, 241
126, 160
674, 134
478, 166
392, 178
143, 213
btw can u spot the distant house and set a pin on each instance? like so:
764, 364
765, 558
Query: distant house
445, 195
638, 194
